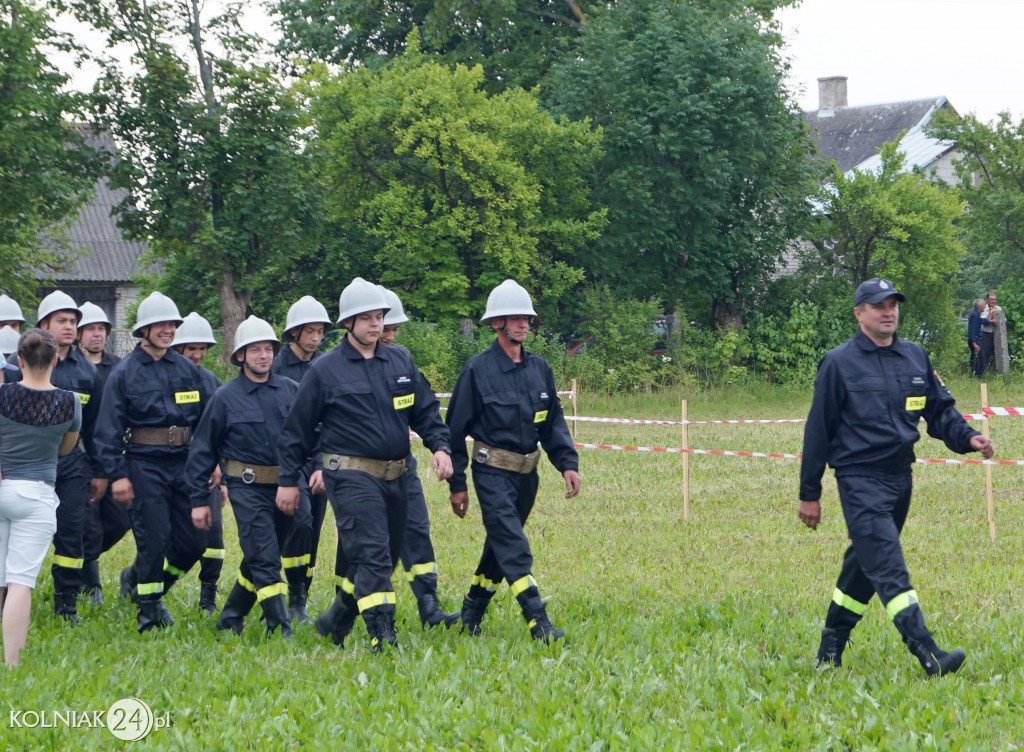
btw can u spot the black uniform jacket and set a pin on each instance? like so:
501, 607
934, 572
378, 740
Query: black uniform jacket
143, 392
287, 364
242, 422
867, 403
364, 407
508, 405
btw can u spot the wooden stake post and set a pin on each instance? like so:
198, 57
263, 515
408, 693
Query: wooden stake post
574, 421
985, 430
686, 464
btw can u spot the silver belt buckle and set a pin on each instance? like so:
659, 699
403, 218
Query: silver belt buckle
482, 455
248, 476
334, 462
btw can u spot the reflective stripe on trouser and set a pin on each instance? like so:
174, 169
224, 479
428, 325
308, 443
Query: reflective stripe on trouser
302, 541
875, 506
161, 516
505, 499
843, 600
211, 563
417, 549
261, 529
370, 515
72, 491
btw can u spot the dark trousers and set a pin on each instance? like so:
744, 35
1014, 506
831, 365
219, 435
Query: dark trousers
161, 516
988, 352
371, 518
262, 529
298, 550
69, 540
975, 358
875, 506
506, 499
212, 561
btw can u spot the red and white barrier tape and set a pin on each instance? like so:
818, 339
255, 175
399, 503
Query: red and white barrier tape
582, 419
1003, 410
448, 395
777, 455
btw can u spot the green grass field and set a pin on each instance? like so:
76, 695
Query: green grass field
681, 635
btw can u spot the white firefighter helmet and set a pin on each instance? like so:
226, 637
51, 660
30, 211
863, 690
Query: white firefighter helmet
194, 330
93, 314
8, 341
155, 308
360, 297
306, 310
10, 310
57, 301
253, 330
508, 299
397, 314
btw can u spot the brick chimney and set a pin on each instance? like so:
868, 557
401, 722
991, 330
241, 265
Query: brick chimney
832, 92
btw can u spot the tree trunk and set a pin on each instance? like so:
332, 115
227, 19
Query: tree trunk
727, 316
233, 305
466, 330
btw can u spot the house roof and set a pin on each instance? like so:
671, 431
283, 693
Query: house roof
99, 251
853, 136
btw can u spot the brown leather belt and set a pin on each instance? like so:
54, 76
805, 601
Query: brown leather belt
249, 473
504, 459
383, 469
169, 436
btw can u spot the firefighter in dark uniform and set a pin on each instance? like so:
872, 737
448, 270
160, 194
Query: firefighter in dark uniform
106, 522
505, 399
239, 429
78, 480
365, 396
304, 329
869, 394
193, 340
152, 402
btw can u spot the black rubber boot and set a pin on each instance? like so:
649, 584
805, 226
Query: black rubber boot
839, 622
297, 603
275, 614
238, 605
208, 597
65, 605
472, 615
431, 614
935, 661
536, 615
153, 614
130, 583
91, 585
380, 625
337, 621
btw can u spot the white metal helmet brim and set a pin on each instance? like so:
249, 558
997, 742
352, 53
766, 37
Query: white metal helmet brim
508, 299
93, 314
360, 297
251, 331
155, 309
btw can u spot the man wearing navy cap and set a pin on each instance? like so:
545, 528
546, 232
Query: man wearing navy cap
869, 394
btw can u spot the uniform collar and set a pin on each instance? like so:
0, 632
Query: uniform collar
293, 359
251, 386
505, 363
350, 352
864, 343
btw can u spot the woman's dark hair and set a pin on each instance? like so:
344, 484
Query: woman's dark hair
37, 349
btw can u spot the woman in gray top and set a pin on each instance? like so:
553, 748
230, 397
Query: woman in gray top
37, 422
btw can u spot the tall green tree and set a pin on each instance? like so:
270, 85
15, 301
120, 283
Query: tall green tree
456, 188
210, 145
47, 167
514, 40
893, 224
705, 172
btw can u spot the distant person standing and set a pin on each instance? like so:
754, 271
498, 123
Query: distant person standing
991, 318
38, 422
869, 394
1000, 343
974, 337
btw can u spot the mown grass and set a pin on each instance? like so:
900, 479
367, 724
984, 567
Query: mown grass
681, 635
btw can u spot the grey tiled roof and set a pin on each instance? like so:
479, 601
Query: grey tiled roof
851, 135
98, 250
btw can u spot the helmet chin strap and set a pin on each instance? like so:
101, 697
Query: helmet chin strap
146, 340
353, 335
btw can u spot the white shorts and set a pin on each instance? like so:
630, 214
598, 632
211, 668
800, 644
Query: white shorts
28, 520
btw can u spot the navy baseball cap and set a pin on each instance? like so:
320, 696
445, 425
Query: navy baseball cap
875, 291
